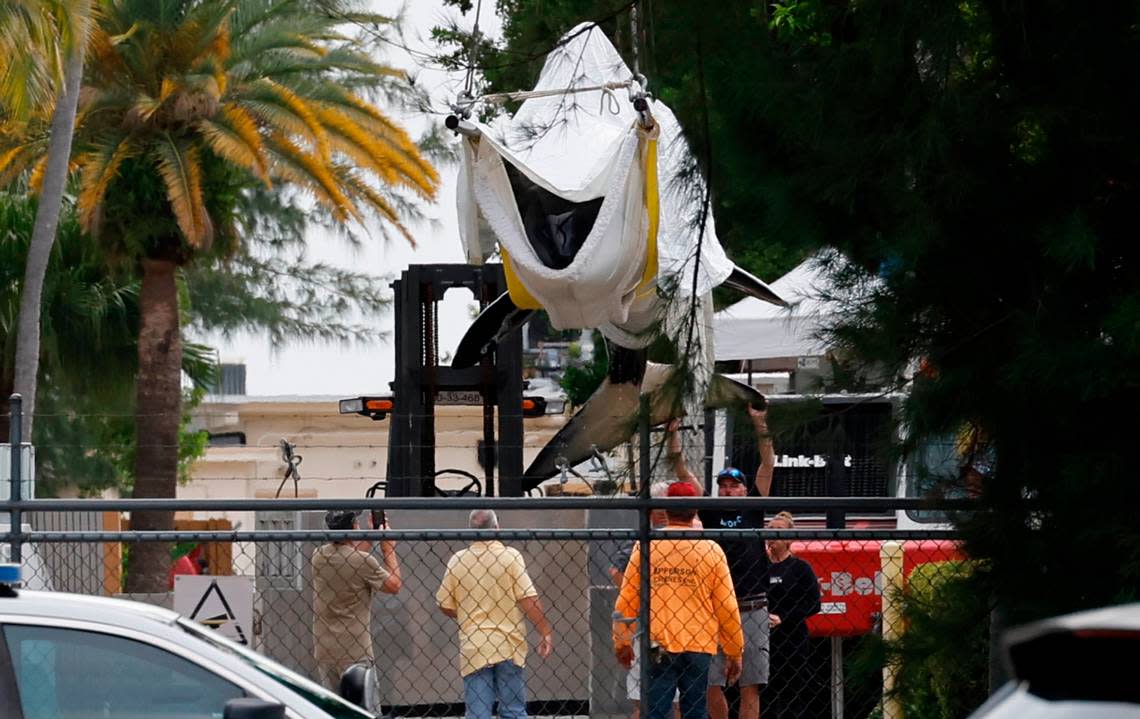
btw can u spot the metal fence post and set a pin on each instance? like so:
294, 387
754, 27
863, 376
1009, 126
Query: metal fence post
837, 691
15, 440
643, 525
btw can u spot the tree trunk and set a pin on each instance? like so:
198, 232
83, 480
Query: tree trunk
43, 235
158, 414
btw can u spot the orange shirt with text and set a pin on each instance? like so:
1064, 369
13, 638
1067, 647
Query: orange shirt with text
691, 598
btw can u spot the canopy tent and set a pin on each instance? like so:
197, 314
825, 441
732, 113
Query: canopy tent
753, 329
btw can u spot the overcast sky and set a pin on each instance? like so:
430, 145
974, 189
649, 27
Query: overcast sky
322, 369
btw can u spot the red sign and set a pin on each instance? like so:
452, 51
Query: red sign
851, 583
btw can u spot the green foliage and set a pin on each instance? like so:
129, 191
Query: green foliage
84, 432
943, 654
979, 160
580, 380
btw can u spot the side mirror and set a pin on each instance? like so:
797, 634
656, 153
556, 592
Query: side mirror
354, 684
249, 708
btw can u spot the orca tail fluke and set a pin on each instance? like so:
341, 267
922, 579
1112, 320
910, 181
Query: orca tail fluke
744, 281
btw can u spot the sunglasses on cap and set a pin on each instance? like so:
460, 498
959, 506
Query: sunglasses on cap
731, 473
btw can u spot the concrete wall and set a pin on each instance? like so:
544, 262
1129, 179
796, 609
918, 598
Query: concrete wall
416, 646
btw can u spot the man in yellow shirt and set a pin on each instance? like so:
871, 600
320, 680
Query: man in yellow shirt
487, 589
693, 611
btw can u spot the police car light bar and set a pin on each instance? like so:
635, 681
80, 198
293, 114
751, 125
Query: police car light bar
9, 578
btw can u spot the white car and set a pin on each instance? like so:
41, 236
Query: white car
64, 656
1079, 666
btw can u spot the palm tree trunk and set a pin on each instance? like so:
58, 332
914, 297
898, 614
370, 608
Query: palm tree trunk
158, 413
43, 235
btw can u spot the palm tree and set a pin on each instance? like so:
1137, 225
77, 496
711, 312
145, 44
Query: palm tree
184, 100
44, 42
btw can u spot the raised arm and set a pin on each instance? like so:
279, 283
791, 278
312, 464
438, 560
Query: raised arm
393, 583
759, 419
677, 456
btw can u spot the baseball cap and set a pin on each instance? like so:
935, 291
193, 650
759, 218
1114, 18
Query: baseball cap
682, 489
731, 473
340, 519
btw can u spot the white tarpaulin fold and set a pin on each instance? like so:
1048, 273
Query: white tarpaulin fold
585, 148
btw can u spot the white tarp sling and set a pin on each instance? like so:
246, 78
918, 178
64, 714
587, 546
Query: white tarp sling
597, 286
587, 147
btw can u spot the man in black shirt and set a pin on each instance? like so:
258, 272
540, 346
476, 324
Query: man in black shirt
793, 596
748, 562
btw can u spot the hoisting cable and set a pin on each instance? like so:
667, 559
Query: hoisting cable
501, 97
469, 81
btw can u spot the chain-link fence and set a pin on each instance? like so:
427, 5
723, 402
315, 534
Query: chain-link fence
444, 610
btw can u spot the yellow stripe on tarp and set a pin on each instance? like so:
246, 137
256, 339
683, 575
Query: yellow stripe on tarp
520, 295
652, 206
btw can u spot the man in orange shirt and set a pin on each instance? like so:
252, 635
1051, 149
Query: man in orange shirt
693, 611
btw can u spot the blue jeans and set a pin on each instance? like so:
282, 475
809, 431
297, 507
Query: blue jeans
503, 682
687, 672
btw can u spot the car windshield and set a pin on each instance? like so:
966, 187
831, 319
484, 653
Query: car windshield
314, 693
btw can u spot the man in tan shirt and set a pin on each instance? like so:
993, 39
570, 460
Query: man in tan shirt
345, 576
487, 589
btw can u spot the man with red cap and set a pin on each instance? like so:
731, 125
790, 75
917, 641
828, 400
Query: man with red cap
692, 612
748, 561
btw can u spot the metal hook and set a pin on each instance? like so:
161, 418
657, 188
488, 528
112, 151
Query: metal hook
638, 87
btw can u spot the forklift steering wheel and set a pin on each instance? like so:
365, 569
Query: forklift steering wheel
463, 491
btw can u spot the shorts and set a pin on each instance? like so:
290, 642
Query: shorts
756, 660
633, 678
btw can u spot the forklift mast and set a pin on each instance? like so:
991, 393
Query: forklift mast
420, 378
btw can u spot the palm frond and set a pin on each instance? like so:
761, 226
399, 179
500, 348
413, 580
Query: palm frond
35, 37
371, 119
294, 103
36, 178
15, 161
103, 60
182, 175
312, 173
99, 169
234, 136
379, 204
